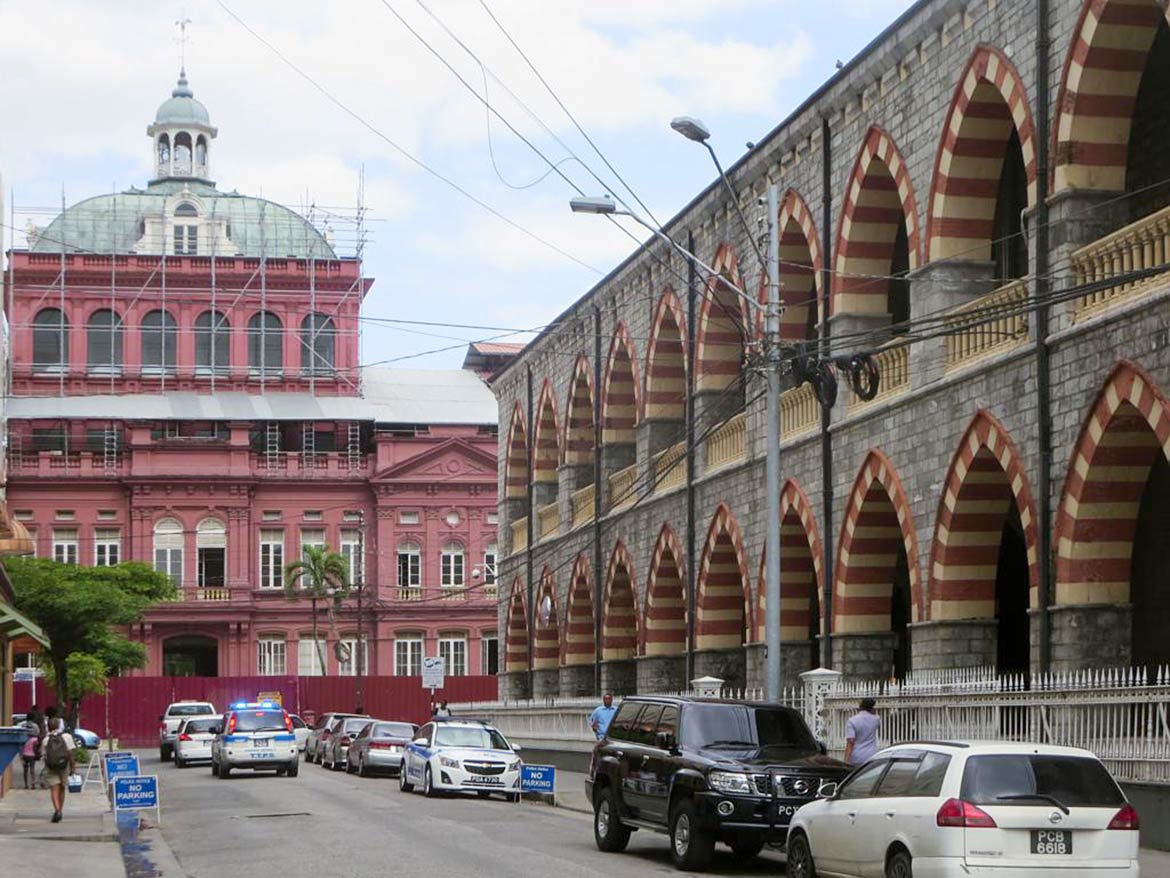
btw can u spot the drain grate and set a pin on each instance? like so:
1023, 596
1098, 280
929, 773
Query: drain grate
285, 814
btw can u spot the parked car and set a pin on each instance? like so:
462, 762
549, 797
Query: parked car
335, 747
456, 755
168, 723
961, 809
378, 747
300, 730
84, 737
255, 736
320, 730
705, 771
193, 741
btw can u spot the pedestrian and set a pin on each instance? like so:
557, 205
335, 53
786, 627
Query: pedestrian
861, 733
443, 709
58, 751
30, 752
602, 716
35, 716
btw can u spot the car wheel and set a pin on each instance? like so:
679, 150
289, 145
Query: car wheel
280, 772
294, 768
512, 797
308, 754
747, 847
800, 859
224, 771
180, 763
428, 786
899, 865
164, 752
214, 769
690, 846
349, 766
609, 833
361, 768
403, 784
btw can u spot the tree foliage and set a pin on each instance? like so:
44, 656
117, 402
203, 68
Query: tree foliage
320, 575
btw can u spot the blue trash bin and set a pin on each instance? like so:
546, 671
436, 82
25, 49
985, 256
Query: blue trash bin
12, 739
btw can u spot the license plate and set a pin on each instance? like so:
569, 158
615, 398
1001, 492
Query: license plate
487, 781
259, 742
1052, 841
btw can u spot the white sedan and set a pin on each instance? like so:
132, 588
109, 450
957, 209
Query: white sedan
456, 755
997, 810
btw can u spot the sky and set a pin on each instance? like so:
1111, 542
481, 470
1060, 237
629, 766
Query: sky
307, 94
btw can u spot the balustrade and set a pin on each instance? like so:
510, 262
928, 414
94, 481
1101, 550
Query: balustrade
726, 445
990, 324
582, 503
1143, 244
670, 469
893, 363
549, 520
520, 534
622, 487
800, 411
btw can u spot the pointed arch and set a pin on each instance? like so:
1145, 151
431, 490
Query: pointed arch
579, 433
985, 478
516, 463
546, 644
801, 271
619, 399
723, 604
619, 629
1127, 428
879, 197
546, 447
877, 524
664, 629
801, 571
990, 100
577, 645
516, 633
1098, 93
666, 361
722, 333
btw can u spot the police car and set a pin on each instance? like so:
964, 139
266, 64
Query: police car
256, 735
457, 755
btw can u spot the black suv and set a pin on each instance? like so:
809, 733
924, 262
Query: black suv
703, 771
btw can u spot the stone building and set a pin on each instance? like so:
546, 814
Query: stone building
186, 391
971, 201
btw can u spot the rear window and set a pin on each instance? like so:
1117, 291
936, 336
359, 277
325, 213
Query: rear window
1036, 779
353, 726
200, 725
189, 709
260, 721
393, 730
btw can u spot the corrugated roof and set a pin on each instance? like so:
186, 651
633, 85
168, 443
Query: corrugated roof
428, 396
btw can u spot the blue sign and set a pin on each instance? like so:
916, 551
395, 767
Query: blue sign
538, 778
126, 764
135, 793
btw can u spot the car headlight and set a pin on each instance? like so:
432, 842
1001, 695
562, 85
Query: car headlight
514, 766
448, 762
729, 782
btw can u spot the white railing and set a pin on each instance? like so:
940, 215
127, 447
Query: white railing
622, 487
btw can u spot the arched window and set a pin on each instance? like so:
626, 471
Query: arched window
213, 338
164, 152
50, 340
168, 549
183, 153
201, 153
317, 334
211, 553
452, 565
160, 338
103, 337
409, 567
265, 344
186, 208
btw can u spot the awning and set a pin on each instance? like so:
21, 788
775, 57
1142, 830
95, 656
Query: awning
13, 624
14, 537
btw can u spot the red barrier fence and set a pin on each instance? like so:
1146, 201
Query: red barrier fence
129, 712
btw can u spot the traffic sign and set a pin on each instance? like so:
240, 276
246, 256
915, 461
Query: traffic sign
432, 672
26, 675
137, 794
120, 764
538, 779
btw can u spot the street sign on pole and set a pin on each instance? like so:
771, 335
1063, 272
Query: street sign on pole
137, 794
432, 672
539, 779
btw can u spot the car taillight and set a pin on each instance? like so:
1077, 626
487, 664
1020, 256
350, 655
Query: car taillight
1126, 818
380, 745
956, 812
344, 740
162, 727
287, 721
231, 726
184, 737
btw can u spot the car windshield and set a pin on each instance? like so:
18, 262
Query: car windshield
470, 736
200, 725
1040, 780
260, 721
393, 730
743, 727
353, 726
189, 709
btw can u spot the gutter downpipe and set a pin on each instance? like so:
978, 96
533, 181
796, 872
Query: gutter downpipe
826, 605
692, 296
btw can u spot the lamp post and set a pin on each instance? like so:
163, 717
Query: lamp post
772, 310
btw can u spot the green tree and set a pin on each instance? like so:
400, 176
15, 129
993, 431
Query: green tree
78, 608
321, 575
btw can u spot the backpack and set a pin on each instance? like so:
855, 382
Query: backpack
56, 753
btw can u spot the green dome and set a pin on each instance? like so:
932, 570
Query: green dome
182, 108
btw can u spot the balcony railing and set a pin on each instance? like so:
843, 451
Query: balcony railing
312, 465
582, 502
453, 593
670, 469
549, 519
726, 445
520, 535
800, 411
1143, 244
893, 363
988, 325
60, 463
622, 487
218, 594
410, 593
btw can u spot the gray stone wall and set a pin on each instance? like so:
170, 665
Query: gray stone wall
966, 643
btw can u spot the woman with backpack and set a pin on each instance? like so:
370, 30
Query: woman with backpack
58, 752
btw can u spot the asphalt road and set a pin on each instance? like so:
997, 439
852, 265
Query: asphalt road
333, 825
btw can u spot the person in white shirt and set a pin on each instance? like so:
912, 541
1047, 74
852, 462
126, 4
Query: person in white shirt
58, 750
861, 733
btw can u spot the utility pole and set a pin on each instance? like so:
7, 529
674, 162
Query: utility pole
359, 584
772, 354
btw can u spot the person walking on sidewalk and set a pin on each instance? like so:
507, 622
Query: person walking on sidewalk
861, 733
602, 716
30, 753
58, 752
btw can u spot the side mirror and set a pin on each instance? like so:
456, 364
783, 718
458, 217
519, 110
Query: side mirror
664, 741
422, 742
828, 790
516, 748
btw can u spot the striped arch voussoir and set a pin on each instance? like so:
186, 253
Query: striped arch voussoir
794, 500
577, 646
664, 617
720, 336
516, 462
620, 627
577, 443
621, 402
516, 632
547, 447
965, 551
546, 635
724, 612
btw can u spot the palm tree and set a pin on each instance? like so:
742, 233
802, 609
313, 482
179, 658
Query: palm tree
321, 574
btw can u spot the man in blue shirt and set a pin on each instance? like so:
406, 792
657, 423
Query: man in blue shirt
602, 716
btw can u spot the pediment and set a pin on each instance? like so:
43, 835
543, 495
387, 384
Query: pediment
450, 460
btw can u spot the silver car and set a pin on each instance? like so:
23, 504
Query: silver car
314, 746
378, 747
336, 745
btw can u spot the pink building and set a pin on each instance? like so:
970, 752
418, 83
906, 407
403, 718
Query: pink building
187, 392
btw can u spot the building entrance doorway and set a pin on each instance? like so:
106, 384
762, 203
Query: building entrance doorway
191, 655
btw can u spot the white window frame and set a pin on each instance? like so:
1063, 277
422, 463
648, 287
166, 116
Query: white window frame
170, 542
271, 568
349, 668
66, 545
452, 566
408, 661
491, 560
453, 651
107, 546
272, 655
350, 546
308, 665
312, 532
486, 638
412, 554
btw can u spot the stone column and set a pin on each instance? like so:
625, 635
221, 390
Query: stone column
546, 683
938, 287
795, 659
619, 676
661, 673
656, 436
576, 681
864, 656
729, 665
958, 643
513, 686
1086, 636
572, 478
